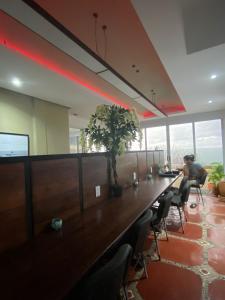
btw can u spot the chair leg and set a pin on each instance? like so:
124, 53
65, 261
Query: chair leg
180, 218
125, 293
198, 195
145, 267
137, 261
165, 228
141, 259
157, 245
183, 208
201, 196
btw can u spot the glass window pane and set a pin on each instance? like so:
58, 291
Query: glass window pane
74, 136
156, 138
136, 146
181, 143
209, 147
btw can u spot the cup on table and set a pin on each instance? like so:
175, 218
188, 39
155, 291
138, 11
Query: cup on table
56, 224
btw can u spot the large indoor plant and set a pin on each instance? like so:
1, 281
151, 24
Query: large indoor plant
114, 128
216, 175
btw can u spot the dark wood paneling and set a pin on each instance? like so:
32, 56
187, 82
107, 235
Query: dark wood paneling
142, 165
55, 190
50, 265
126, 165
13, 229
94, 170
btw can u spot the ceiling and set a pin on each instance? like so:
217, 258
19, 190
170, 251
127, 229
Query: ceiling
149, 56
189, 38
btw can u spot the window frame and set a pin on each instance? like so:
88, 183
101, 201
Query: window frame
167, 125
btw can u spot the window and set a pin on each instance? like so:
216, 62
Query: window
136, 146
75, 140
204, 139
209, 146
181, 143
157, 140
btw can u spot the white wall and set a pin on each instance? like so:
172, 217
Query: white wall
47, 124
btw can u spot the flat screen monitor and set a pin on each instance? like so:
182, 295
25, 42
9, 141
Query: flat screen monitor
14, 144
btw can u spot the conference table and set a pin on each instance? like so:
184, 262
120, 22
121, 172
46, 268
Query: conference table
50, 265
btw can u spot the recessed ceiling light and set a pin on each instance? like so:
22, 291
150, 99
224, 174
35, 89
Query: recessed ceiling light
210, 101
213, 76
16, 82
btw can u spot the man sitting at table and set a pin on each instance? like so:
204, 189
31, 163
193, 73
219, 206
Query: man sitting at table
193, 171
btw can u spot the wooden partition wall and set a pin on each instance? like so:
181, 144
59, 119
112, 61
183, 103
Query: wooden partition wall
13, 211
35, 189
55, 190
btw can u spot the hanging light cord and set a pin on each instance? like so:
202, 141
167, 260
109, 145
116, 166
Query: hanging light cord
95, 15
104, 27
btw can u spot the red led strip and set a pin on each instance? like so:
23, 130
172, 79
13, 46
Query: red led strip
56, 69
67, 74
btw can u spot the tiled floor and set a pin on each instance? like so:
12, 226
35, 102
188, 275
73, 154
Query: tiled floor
192, 264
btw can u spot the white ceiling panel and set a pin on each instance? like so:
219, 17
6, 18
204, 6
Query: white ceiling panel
119, 84
149, 106
23, 13
190, 73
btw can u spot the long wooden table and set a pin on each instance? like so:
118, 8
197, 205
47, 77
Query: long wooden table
49, 266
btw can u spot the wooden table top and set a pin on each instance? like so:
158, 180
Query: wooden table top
49, 266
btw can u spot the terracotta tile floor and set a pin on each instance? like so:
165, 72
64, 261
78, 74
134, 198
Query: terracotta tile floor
159, 288
192, 264
216, 259
216, 236
215, 219
217, 290
191, 231
185, 252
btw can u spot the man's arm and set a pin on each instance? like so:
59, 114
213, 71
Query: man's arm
186, 171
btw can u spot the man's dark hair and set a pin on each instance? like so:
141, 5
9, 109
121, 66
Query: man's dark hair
189, 157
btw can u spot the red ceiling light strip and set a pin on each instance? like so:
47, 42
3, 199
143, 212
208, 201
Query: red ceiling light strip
173, 109
68, 75
56, 69
148, 114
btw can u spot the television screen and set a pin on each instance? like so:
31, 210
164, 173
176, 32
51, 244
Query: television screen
14, 145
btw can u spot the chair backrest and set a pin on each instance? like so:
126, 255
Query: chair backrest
182, 184
185, 192
164, 206
139, 232
202, 179
107, 282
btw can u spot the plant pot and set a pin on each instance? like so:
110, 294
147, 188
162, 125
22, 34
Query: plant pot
116, 190
221, 188
213, 188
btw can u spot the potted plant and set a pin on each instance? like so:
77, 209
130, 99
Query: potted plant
114, 128
215, 176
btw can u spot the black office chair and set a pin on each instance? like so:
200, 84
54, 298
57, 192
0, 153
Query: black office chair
138, 236
198, 185
107, 282
179, 200
176, 190
158, 221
